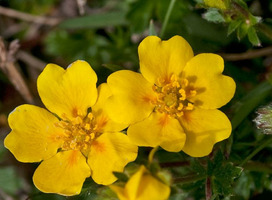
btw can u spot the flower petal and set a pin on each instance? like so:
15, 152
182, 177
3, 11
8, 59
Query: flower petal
63, 174
71, 91
142, 185
163, 58
104, 123
213, 89
132, 97
110, 152
33, 137
158, 130
120, 191
203, 129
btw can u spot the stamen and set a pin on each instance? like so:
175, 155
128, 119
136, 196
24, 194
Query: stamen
79, 132
172, 94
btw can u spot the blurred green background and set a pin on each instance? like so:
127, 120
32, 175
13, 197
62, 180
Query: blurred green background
106, 33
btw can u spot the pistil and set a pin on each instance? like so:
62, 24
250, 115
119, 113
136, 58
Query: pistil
172, 96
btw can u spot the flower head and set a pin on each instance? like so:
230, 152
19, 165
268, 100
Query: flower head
173, 102
142, 186
75, 139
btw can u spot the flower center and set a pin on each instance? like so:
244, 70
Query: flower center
172, 96
79, 132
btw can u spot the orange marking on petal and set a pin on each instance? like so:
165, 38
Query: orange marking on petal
99, 147
147, 99
163, 121
102, 122
73, 158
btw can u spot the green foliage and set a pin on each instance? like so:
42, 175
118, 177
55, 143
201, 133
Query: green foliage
222, 174
10, 183
213, 15
100, 20
107, 37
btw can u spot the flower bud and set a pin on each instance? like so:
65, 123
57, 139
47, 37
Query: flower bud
264, 119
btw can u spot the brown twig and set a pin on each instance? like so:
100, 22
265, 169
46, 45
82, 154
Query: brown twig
28, 17
248, 55
7, 65
30, 60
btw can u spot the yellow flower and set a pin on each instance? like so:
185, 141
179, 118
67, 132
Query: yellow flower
220, 4
173, 102
72, 141
142, 186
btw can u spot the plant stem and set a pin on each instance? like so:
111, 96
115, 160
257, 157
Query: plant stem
167, 16
208, 188
257, 150
265, 29
189, 179
151, 154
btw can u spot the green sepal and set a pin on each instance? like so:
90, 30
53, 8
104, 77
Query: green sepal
213, 15
253, 37
233, 26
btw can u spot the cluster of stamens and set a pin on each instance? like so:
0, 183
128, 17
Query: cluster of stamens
172, 96
79, 132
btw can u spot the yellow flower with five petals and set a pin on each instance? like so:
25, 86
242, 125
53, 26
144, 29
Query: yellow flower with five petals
76, 139
142, 186
174, 101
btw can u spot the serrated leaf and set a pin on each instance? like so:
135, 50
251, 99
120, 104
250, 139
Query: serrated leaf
197, 167
213, 15
233, 26
253, 37
100, 20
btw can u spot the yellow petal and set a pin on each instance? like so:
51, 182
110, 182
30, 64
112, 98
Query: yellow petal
163, 58
34, 137
63, 174
120, 191
110, 152
132, 97
104, 123
71, 91
143, 186
213, 89
203, 129
158, 130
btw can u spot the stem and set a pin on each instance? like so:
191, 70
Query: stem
208, 188
167, 16
189, 179
151, 154
258, 167
265, 29
262, 146
174, 164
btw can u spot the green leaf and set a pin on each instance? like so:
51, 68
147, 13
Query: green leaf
10, 182
140, 14
250, 102
100, 20
112, 67
121, 176
213, 15
222, 174
152, 30
233, 26
253, 37
197, 167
